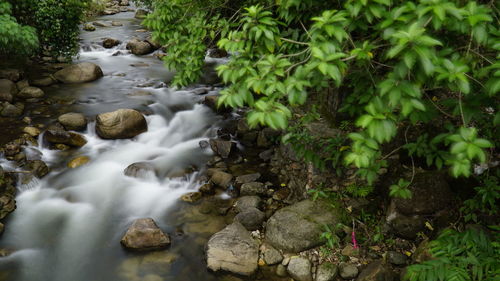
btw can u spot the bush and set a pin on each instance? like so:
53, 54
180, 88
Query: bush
14, 37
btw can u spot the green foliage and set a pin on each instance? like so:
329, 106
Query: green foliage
401, 189
330, 235
15, 38
468, 255
485, 200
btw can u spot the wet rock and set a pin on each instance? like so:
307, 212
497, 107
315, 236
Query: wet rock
207, 188
139, 170
22, 84
247, 178
120, 124
8, 90
300, 269
32, 131
139, 48
396, 258
141, 14
233, 249
211, 102
43, 82
12, 110
30, 92
64, 137
251, 218
376, 271
326, 272
78, 161
221, 179
7, 205
124, 3
101, 24
430, 193
144, 234
13, 75
248, 202
12, 148
253, 188
348, 271
217, 53
281, 271
298, 227
272, 256
221, 147
88, 27
109, 43
191, 197
153, 43
116, 23
73, 121
79, 73
2, 227
37, 167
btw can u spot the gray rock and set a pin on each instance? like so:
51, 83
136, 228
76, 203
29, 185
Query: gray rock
30, 92
221, 179
139, 48
116, 23
73, 121
272, 256
404, 226
326, 272
79, 73
298, 227
253, 188
251, 218
246, 202
376, 271
101, 24
144, 234
120, 124
221, 147
233, 249
348, 271
12, 110
8, 90
397, 258
247, 178
281, 270
300, 269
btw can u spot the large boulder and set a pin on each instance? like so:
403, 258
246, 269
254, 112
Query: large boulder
121, 124
73, 121
79, 73
7, 90
298, 227
430, 194
144, 234
139, 48
233, 249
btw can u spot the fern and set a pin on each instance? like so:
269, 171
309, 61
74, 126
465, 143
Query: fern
460, 256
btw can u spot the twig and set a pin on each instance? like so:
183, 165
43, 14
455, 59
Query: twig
392, 152
411, 157
439, 108
460, 106
294, 42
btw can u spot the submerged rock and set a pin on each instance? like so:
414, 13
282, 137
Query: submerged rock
88, 27
233, 249
144, 234
79, 73
37, 167
43, 82
11, 110
139, 169
121, 124
191, 197
78, 161
64, 137
73, 121
30, 92
298, 227
109, 43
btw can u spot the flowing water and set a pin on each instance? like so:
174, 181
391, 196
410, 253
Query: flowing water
67, 226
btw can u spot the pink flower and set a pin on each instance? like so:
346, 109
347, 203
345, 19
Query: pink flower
354, 242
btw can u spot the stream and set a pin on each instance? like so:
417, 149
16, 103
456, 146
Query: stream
68, 226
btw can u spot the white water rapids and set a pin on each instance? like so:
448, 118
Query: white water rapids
68, 225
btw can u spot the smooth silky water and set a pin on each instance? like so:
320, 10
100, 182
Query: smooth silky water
68, 226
